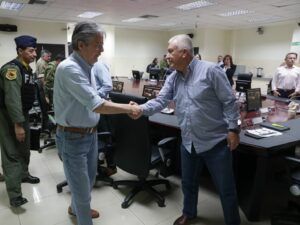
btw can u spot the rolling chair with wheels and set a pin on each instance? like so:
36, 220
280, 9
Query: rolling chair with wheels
47, 121
135, 154
291, 216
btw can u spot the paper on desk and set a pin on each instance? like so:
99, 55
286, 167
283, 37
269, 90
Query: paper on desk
264, 132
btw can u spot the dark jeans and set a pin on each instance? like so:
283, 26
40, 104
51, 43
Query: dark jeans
285, 93
219, 163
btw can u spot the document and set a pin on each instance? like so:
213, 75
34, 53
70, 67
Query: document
263, 132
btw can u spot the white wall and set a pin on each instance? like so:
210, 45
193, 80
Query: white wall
45, 32
267, 50
135, 49
128, 49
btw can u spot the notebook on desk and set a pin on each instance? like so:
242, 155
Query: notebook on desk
275, 126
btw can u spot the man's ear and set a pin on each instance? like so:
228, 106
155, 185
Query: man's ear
81, 44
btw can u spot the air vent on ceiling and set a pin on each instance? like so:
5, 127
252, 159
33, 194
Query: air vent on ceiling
41, 2
148, 16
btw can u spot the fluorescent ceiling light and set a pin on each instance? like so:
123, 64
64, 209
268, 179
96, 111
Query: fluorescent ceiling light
236, 12
264, 19
167, 24
133, 20
89, 15
11, 6
195, 5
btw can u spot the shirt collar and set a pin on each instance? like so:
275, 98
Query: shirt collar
81, 61
289, 67
26, 65
190, 69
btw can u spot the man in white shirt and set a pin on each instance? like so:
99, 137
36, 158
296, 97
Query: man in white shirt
286, 80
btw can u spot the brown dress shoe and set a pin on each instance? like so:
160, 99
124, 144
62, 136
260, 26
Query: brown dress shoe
94, 213
182, 220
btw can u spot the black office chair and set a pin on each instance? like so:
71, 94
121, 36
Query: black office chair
291, 216
48, 124
243, 82
135, 155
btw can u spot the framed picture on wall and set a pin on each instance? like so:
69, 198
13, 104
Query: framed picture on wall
55, 49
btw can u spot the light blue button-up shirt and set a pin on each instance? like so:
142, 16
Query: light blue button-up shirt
205, 104
75, 95
103, 79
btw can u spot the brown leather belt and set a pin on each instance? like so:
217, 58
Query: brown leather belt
78, 129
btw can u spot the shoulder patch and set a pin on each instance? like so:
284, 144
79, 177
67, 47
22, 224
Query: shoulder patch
11, 74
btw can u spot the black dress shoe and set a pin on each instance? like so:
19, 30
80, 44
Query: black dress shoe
182, 220
31, 179
18, 201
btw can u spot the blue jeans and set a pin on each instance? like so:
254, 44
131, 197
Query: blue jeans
219, 163
79, 155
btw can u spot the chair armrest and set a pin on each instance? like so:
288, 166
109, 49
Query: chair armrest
293, 159
104, 134
165, 141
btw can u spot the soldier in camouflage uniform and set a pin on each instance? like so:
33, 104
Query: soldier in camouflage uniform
17, 93
49, 78
42, 63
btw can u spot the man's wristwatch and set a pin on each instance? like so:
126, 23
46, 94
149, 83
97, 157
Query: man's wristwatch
236, 130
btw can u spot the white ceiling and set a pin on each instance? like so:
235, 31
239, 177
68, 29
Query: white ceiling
114, 11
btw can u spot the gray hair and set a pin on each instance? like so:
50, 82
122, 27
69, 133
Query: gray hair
182, 41
45, 52
85, 31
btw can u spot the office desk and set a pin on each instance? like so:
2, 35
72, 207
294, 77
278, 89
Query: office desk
252, 193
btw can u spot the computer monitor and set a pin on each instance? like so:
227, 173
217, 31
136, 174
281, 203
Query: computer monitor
137, 75
154, 73
253, 99
125, 98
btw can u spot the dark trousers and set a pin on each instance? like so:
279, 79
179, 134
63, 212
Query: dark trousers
219, 163
285, 93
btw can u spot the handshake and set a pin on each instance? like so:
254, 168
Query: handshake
135, 110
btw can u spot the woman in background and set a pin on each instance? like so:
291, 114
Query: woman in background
198, 56
154, 64
229, 68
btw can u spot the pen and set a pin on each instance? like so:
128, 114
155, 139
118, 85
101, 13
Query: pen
277, 125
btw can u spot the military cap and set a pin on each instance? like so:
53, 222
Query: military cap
25, 41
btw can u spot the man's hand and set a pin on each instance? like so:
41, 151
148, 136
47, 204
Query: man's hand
276, 93
293, 94
20, 132
137, 111
233, 140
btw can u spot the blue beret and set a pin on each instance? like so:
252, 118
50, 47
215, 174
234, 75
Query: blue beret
25, 41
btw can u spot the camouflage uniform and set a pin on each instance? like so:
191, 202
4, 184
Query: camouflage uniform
49, 81
16, 96
41, 65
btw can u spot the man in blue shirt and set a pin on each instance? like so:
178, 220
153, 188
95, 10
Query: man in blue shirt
77, 106
207, 112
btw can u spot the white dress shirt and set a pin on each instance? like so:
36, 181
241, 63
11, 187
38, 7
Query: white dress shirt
286, 78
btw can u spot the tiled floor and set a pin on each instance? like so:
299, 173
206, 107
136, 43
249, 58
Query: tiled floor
47, 207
